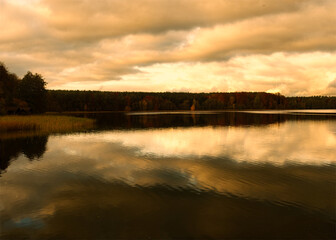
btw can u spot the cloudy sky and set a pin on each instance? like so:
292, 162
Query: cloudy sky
286, 46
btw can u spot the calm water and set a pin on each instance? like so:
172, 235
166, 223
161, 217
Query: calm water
229, 175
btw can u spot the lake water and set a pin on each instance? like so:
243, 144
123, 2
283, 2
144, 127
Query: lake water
174, 175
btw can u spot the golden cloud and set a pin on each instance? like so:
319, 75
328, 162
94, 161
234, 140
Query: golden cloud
77, 43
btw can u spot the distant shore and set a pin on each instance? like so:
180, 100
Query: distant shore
149, 112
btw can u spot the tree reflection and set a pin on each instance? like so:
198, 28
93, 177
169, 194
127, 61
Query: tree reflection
182, 119
31, 147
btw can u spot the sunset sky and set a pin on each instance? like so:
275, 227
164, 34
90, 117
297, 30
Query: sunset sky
286, 46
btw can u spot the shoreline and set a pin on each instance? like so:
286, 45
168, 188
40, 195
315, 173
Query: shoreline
150, 112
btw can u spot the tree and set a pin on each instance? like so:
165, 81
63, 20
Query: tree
257, 102
2, 106
32, 90
8, 86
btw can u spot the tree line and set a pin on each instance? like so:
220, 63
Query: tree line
62, 100
29, 94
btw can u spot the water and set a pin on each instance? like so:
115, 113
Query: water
220, 175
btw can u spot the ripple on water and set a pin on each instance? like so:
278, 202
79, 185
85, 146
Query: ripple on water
268, 181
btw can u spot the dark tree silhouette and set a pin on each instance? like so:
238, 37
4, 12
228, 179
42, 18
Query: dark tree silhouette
32, 90
8, 86
62, 100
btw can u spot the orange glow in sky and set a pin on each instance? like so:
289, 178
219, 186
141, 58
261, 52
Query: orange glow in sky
286, 46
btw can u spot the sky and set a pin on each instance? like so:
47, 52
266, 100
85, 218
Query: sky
286, 46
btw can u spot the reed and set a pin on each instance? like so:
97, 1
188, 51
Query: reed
44, 123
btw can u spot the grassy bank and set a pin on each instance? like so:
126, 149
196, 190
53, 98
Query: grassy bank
44, 124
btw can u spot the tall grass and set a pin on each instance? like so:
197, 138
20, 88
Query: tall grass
44, 123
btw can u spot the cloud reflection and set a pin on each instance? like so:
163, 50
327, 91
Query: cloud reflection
307, 142
123, 182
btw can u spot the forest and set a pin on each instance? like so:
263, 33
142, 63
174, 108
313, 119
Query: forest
29, 95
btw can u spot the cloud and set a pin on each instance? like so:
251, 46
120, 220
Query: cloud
332, 84
291, 74
82, 19
85, 45
303, 31
331, 88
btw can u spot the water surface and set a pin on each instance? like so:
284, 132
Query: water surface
178, 175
